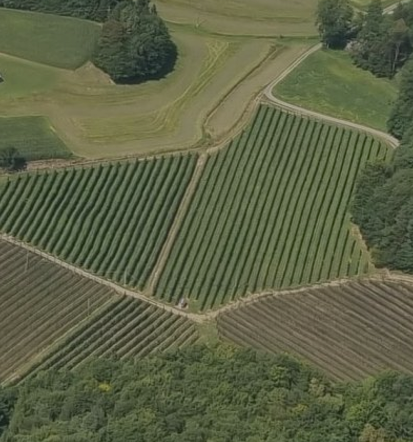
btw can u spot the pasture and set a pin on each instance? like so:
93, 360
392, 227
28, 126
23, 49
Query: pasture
270, 211
349, 331
110, 219
49, 39
328, 82
33, 137
40, 302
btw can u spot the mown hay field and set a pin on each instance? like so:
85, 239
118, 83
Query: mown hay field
110, 219
40, 302
243, 17
62, 42
349, 331
33, 137
127, 328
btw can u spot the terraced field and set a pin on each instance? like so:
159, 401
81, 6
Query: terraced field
270, 212
109, 219
127, 328
349, 330
39, 302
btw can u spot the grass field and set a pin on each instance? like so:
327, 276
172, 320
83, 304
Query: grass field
243, 17
34, 138
127, 328
57, 41
110, 219
349, 331
270, 211
40, 302
328, 82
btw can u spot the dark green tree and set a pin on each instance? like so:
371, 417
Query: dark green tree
135, 44
334, 22
401, 116
11, 160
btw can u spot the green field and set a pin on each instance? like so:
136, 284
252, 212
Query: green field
33, 137
24, 78
127, 328
270, 212
328, 82
110, 219
49, 39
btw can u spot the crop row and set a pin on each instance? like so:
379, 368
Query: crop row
271, 212
40, 302
110, 219
127, 328
349, 331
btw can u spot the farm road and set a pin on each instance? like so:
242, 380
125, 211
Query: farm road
269, 95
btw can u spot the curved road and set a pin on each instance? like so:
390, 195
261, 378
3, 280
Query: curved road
268, 93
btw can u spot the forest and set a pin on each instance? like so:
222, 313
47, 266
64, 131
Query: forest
201, 394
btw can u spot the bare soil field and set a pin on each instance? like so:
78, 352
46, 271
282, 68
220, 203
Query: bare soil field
349, 331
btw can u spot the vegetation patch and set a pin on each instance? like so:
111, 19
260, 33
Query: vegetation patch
49, 39
271, 211
40, 302
329, 82
349, 331
127, 328
110, 219
33, 137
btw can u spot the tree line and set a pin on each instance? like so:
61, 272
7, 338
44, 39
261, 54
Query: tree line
201, 394
135, 44
378, 42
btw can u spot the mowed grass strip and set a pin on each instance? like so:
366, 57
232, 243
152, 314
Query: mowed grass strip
349, 331
40, 302
125, 328
33, 137
110, 219
329, 82
62, 42
270, 212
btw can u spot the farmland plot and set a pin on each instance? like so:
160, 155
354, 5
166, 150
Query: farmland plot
126, 328
349, 330
110, 219
270, 212
40, 302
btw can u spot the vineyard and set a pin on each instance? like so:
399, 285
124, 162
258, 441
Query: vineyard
110, 219
40, 302
125, 328
271, 212
349, 330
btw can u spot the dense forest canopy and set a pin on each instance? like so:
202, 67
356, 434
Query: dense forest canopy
378, 42
201, 394
135, 44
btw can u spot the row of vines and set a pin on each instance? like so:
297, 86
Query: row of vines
126, 328
110, 219
270, 212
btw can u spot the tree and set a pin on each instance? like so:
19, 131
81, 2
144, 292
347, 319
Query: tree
334, 22
135, 44
401, 115
11, 160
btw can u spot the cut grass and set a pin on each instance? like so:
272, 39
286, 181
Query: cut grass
328, 82
24, 78
49, 39
243, 17
33, 137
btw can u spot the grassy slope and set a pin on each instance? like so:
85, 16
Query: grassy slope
49, 39
33, 137
328, 82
